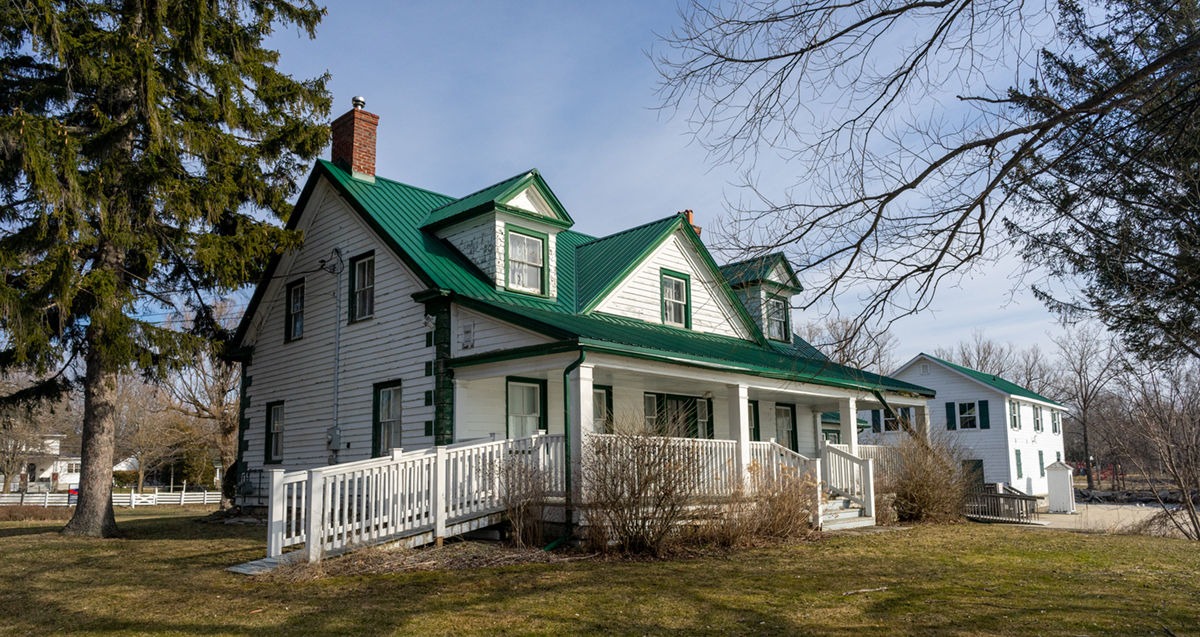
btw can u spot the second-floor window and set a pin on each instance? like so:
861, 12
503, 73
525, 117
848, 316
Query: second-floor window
1037, 418
1014, 413
675, 301
362, 287
295, 311
966, 416
1055, 422
777, 319
526, 263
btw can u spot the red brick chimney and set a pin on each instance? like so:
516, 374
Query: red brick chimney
688, 214
354, 139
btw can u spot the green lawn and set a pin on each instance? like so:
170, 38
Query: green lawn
167, 578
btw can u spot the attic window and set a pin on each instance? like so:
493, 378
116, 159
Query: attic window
526, 261
676, 309
777, 319
924, 369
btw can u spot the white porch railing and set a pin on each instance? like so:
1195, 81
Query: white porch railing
714, 461
849, 476
887, 459
398, 496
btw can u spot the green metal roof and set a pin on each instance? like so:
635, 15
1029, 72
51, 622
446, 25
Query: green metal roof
753, 271
602, 263
491, 197
995, 381
835, 418
397, 212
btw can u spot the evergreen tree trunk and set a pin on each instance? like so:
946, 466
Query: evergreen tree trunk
94, 510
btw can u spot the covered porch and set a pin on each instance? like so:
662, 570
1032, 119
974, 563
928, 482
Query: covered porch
600, 392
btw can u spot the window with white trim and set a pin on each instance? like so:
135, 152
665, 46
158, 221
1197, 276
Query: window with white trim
362, 302
601, 413
387, 418
295, 311
777, 319
1037, 418
966, 416
1055, 422
524, 409
650, 408
675, 301
275, 432
784, 424
525, 262
1014, 414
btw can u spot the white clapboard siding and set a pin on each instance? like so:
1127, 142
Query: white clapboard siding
640, 295
489, 334
390, 346
1030, 442
478, 240
989, 445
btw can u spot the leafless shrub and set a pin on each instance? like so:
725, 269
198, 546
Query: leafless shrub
775, 505
929, 481
1160, 524
885, 507
524, 487
638, 486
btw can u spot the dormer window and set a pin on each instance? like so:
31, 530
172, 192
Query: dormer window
676, 308
777, 319
526, 261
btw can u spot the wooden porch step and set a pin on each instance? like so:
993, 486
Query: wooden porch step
848, 523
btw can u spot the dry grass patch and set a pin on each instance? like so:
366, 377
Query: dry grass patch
35, 514
167, 578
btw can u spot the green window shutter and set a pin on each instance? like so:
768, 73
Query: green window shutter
1020, 472
985, 417
951, 417
1042, 463
876, 426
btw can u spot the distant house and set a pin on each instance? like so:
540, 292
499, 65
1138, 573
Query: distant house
1010, 433
47, 469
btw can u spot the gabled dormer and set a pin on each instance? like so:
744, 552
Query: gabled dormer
660, 273
765, 286
509, 232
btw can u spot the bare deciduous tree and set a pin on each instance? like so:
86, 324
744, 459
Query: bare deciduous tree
1090, 363
149, 427
981, 354
915, 126
846, 342
208, 392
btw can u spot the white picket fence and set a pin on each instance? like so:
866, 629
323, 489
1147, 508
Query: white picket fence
132, 500
401, 495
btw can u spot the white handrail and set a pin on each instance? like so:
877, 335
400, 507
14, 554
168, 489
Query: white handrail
849, 476
407, 493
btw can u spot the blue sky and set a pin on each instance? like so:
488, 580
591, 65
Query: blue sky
469, 93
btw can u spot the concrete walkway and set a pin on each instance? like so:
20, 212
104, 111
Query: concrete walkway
1098, 518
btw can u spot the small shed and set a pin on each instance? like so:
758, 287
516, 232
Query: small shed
1062, 488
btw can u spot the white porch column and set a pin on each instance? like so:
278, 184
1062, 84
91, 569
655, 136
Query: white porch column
849, 416
580, 395
739, 427
920, 422
816, 427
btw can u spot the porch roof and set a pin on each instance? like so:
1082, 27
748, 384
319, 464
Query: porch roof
651, 340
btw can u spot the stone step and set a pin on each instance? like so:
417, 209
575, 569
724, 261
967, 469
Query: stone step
851, 523
839, 505
842, 514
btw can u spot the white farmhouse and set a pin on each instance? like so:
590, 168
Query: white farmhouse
1010, 433
411, 319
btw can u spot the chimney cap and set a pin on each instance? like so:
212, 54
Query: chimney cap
359, 101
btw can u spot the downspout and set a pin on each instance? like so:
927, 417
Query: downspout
570, 504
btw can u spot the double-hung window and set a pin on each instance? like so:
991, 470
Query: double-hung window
890, 421
526, 407
294, 327
777, 319
1014, 414
274, 432
362, 287
388, 397
785, 425
1037, 418
650, 408
676, 308
1055, 422
602, 419
526, 262
966, 416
